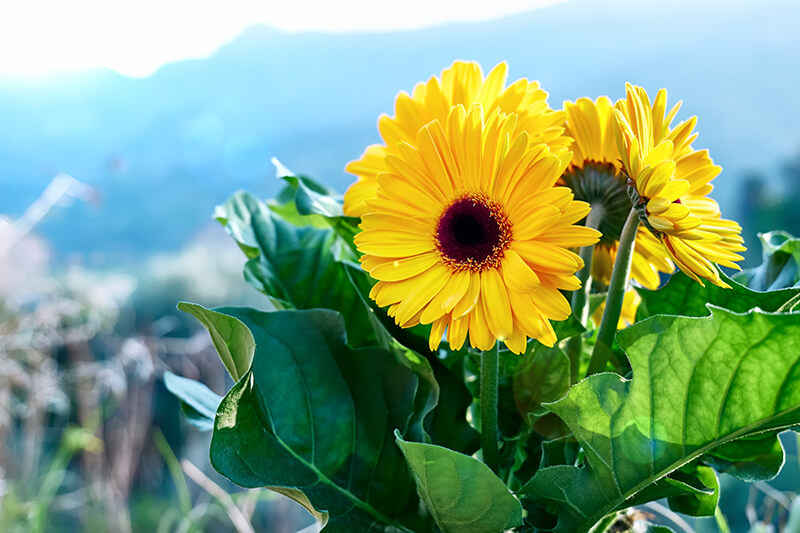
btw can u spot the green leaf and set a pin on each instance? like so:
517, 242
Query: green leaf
461, 493
231, 338
294, 266
235, 216
314, 202
758, 458
315, 415
542, 376
704, 501
301, 498
780, 266
446, 421
684, 296
698, 383
199, 403
749, 460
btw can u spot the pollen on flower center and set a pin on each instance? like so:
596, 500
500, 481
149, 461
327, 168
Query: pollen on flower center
473, 233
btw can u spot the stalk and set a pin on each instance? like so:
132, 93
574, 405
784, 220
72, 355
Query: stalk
490, 363
616, 293
580, 297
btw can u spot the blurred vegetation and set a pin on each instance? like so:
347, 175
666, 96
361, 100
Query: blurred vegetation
769, 202
90, 440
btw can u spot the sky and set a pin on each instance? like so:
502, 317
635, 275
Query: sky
38, 37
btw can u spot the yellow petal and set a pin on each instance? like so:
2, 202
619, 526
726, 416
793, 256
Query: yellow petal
517, 275
457, 332
479, 335
546, 257
445, 299
673, 190
405, 268
467, 303
537, 222
437, 332
495, 301
552, 303
516, 342
420, 290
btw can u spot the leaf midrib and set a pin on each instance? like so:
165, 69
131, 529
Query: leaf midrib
358, 502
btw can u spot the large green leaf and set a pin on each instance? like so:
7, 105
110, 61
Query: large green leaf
753, 459
446, 420
233, 341
780, 266
315, 415
462, 493
294, 266
698, 383
684, 296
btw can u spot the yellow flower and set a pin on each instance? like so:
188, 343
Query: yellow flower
630, 304
468, 233
595, 176
672, 180
462, 83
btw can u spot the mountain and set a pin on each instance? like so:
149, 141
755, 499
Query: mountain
164, 150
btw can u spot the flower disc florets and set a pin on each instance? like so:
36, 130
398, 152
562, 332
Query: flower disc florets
473, 233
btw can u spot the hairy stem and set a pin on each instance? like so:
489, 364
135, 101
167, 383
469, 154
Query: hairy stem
580, 297
490, 363
616, 294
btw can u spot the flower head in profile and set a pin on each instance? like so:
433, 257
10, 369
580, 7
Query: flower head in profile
467, 232
595, 176
671, 181
462, 83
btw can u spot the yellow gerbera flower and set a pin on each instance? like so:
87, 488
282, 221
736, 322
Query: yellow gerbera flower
468, 233
595, 177
672, 180
462, 83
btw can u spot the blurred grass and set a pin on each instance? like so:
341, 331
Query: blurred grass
90, 440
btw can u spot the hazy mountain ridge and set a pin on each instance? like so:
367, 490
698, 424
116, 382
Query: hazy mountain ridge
163, 150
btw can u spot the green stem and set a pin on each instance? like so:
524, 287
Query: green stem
580, 297
490, 363
616, 294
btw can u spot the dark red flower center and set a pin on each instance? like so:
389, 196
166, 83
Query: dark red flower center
472, 233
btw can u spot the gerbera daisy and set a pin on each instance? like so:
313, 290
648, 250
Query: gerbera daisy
462, 83
671, 181
468, 233
595, 176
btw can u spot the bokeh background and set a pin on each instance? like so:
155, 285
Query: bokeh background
123, 125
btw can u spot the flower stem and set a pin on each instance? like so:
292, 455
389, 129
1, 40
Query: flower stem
616, 294
580, 297
490, 365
